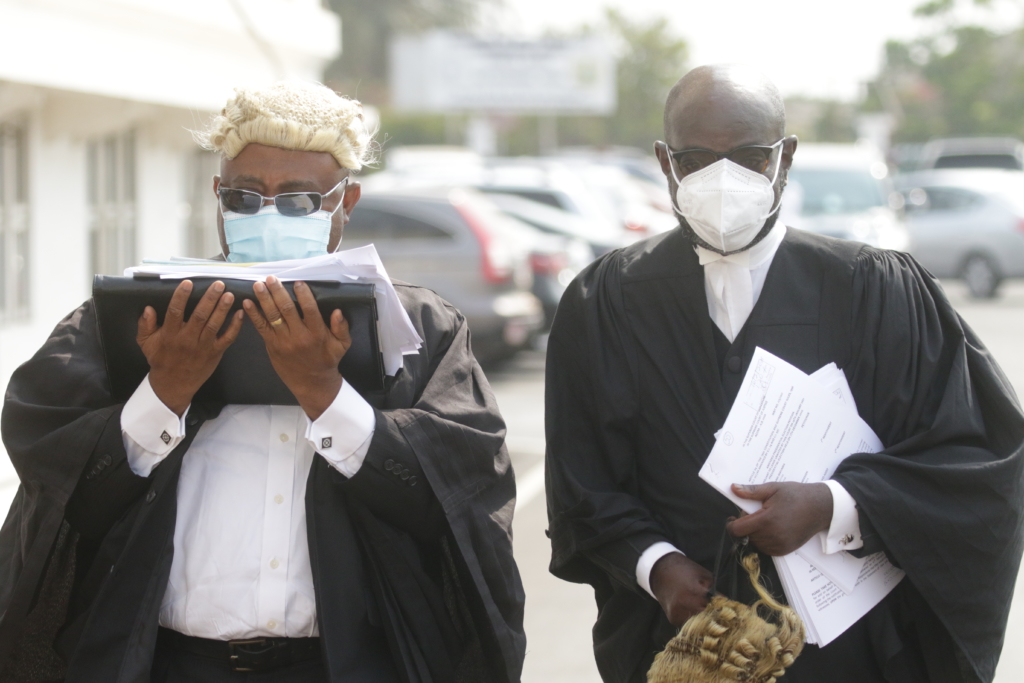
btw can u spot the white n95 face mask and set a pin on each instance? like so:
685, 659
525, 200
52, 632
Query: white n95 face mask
725, 203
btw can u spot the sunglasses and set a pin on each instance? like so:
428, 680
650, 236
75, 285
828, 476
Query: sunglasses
752, 157
249, 203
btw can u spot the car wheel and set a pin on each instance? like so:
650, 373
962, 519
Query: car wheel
981, 276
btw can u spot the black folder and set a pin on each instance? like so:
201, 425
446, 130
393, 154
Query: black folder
244, 374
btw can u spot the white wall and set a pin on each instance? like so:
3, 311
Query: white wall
80, 69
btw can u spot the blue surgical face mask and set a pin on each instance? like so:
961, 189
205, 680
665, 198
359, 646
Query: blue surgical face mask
269, 236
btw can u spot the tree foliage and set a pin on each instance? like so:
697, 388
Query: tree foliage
651, 58
961, 81
367, 27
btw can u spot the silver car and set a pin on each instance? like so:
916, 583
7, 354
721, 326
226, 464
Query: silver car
460, 245
967, 223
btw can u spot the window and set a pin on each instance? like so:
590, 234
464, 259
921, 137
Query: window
374, 225
14, 242
111, 185
950, 199
1009, 161
837, 191
203, 240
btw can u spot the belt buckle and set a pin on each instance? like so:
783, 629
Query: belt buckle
246, 660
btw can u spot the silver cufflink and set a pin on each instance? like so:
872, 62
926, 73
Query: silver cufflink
165, 437
325, 442
848, 538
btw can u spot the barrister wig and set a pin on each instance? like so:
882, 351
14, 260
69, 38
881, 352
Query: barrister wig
306, 117
729, 642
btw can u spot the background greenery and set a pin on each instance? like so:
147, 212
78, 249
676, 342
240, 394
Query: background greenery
957, 80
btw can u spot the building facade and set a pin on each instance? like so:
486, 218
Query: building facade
98, 169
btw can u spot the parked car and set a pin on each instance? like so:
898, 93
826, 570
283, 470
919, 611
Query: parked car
1006, 153
844, 191
460, 245
638, 163
557, 221
967, 223
604, 194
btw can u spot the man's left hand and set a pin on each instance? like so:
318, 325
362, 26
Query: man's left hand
303, 350
792, 513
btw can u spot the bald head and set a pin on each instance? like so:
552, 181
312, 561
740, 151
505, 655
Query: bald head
721, 108
714, 106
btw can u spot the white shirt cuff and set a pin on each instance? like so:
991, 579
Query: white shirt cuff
647, 561
343, 433
844, 531
149, 429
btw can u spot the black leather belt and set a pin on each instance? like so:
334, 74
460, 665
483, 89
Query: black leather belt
254, 654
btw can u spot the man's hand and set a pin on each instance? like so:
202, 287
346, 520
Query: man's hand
303, 350
792, 513
183, 355
681, 586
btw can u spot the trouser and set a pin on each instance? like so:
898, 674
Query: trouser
175, 664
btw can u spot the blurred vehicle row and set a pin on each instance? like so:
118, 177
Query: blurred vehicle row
960, 212
501, 238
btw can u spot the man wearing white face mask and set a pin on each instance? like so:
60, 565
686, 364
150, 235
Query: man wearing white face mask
350, 538
647, 354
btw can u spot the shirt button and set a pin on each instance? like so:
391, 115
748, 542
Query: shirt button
734, 364
271, 624
283, 437
274, 564
279, 499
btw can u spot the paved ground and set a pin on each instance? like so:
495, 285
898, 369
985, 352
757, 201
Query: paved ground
559, 615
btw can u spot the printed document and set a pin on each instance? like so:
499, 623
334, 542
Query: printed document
786, 425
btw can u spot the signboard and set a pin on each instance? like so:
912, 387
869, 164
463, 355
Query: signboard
444, 72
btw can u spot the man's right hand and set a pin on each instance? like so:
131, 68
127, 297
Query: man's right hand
681, 586
181, 355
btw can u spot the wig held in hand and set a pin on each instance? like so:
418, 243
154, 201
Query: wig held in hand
730, 642
305, 117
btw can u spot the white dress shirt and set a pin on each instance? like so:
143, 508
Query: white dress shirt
733, 285
241, 566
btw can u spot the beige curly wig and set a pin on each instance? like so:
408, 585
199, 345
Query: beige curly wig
730, 642
294, 115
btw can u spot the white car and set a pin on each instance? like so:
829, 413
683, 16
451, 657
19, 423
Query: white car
844, 191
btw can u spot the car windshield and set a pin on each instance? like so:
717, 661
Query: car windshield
836, 191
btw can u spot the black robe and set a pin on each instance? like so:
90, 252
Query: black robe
421, 575
639, 380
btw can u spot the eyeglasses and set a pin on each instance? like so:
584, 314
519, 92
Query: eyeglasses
249, 203
753, 157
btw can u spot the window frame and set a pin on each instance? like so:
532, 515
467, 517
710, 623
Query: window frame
15, 222
112, 202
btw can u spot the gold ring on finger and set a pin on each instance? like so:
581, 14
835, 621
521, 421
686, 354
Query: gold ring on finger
277, 322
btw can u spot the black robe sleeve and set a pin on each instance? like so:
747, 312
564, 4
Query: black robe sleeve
944, 499
437, 463
591, 406
58, 424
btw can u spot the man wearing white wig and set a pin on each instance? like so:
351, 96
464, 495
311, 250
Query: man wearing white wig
352, 538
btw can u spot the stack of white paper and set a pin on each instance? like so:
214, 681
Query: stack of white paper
789, 426
398, 337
